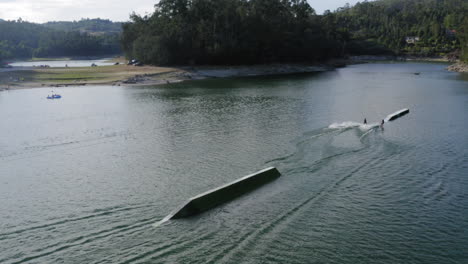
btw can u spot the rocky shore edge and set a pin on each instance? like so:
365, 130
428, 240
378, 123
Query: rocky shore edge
204, 72
458, 67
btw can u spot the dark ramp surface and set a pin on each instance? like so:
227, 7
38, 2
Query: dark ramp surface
223, 194
397, 114
84, 179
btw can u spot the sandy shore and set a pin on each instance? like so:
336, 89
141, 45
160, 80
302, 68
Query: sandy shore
17, 78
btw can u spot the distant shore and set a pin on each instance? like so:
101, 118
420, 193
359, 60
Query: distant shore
370, 58
457, 66
117, 75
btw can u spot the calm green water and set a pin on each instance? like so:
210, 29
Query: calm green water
84, 179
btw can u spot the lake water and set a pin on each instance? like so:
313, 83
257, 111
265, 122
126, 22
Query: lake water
62, 63
84, 179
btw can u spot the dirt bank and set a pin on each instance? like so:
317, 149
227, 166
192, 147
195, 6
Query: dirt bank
131, 75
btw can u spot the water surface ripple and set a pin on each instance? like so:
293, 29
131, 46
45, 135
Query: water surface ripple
84, 179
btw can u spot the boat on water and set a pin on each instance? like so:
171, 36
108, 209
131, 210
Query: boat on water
54, 96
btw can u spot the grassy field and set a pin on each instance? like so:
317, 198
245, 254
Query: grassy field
37, 77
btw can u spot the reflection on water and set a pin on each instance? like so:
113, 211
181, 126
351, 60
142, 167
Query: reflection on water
84, 178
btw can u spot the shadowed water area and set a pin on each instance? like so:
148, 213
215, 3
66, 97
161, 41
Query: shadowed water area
84, 179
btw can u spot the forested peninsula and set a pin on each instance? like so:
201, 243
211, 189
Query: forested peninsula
224, 32
231, 32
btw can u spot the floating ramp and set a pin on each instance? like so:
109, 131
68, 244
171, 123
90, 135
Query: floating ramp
397, 114
225, 193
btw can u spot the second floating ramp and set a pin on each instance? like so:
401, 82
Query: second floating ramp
397, 114
225, 193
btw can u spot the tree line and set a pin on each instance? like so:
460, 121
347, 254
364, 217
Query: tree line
230, 32
416, 27
265, 31
20, 39
86, 25
189, 32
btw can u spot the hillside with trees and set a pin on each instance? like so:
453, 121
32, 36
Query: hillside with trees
190, 32
21, 39
230, 32
265, 31
95, 26
417, 27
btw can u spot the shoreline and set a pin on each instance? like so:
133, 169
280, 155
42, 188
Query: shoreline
124, 75
455, 65
374, 58
458, 67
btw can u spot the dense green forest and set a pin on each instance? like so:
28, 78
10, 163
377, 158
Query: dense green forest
230, 32
20, 39
264, 31
416, 27
251, 31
